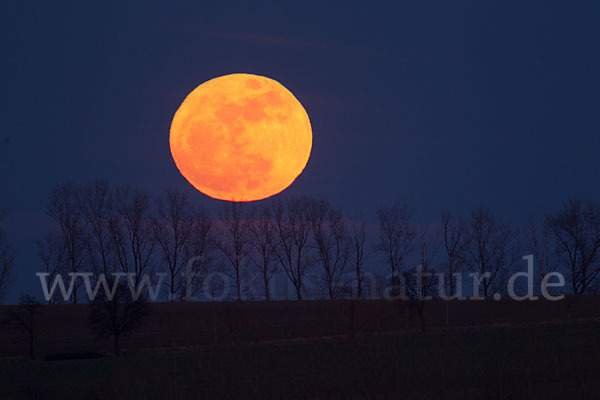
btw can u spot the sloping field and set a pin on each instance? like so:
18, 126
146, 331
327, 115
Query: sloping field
539, 361
64, 328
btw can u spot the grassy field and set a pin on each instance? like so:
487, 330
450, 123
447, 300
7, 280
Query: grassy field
319, 350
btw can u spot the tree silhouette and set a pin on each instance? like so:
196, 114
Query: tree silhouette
489, 250
396, 237
24, 319
104, 230
199, 250
454, 234
541, 243
7, 258
173, 228
117, 315
97, 207
132, 234
52, 251
332, 243
576, 228
291, 246
263, 242
235, 241
420, 283
64, 208
359, 255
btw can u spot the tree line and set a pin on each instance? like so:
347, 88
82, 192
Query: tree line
103, 230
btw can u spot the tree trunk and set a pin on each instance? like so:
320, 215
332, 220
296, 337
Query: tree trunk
353, 317
359, 288
172, 294
31, 350
116, 345
447, 316
238, 284
266, 282
421, 312
215, 327
451, 277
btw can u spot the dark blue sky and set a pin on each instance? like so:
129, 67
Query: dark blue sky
441, 104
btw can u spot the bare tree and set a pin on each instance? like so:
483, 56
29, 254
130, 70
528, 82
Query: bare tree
52, 251
396, 237
291, 247
420, 282
576, 228
118, 315
198, 250
489, 249
332, 243
64, 208
173, 229
235, 241
96, 205
7, 259
263, 235
359, 255
132, 233
454, 234
23, 317
540, 242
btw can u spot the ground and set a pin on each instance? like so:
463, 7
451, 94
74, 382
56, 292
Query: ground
317, 350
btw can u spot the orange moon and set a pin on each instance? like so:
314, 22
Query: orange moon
241, 137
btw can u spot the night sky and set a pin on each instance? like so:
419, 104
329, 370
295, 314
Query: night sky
441, 104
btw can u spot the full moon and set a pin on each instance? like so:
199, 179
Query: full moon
241, 137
